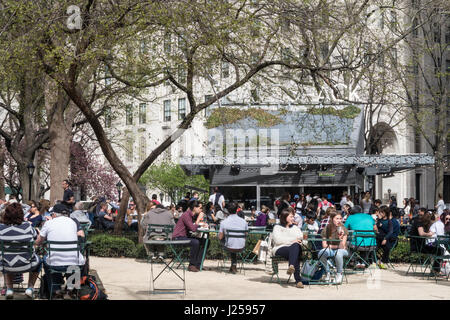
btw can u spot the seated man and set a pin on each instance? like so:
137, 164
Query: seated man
361, 222
233, 222
183, 226
79, 215
131, 218
61, 228
106, 219
160, 216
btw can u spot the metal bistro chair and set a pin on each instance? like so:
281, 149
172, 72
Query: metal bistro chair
254, 230
235, 234
163, 232
313, 241
64, 246
420, 255
10, 250
444, 243
357, 244
159, 238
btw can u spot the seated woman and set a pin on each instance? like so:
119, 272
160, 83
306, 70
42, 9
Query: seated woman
387, 235
33, 216
286, 239
421, 227
13, 227
261, 219
335, 230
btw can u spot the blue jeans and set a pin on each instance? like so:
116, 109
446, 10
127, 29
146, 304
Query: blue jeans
293, 254
338, 255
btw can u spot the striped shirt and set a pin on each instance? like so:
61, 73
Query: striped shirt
13, 261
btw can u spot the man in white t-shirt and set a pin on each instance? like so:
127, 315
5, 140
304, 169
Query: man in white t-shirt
217, 198
61, 228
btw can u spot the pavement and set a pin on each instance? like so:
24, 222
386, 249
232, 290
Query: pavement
129, 279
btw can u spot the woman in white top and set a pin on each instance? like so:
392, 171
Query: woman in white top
286, 239
440, 205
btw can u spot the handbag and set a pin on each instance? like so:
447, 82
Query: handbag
309, 269
256, 248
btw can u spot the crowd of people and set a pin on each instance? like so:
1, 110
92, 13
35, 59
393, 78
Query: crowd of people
289, 220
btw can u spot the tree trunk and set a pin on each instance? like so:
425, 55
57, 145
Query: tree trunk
2, 172
60, 121
139, 197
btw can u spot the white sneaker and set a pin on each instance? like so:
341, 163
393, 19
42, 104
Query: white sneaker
29, 293
9, 294
327, 277
338, 278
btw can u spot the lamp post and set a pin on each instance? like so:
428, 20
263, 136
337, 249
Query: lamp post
30, 169
119, 188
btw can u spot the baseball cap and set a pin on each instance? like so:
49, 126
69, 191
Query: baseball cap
60, 208
296, 196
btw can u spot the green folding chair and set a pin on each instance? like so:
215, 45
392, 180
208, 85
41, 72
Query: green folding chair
361, 241
444, 243
421, 256
234, 234
15, 248
64, 246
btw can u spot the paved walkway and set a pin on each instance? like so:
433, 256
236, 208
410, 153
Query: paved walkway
129, 279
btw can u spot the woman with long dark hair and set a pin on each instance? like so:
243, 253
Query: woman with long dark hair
287, 239
335, 230
387, 233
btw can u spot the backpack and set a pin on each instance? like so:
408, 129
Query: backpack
216, 200
89, 289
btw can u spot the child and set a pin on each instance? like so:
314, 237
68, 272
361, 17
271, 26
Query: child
310, 224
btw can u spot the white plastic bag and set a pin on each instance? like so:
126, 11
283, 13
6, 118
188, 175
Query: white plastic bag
445, 267
263, 250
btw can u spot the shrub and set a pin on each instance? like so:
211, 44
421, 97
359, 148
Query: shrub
105, 245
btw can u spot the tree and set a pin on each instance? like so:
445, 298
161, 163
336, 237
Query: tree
248, 36
171, 179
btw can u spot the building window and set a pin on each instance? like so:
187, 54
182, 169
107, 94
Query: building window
107, 76
129, 149
167, 43
143, 47
394, 56
181, 108
393, 21
108, 117
167, 110
436, 33
142, 113
181, 74
207, 111
225, 69
380, 59
142, 149
381, 21
418, 176
415, 29
324, 50
129, 115
366, 52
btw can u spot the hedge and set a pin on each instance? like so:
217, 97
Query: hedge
108, 245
